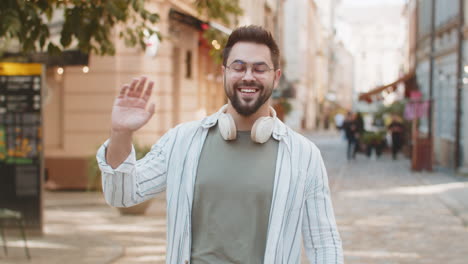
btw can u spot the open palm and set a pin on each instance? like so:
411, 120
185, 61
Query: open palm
129, 111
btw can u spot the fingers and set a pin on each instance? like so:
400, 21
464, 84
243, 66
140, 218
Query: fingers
124, 90
148, 91
151, 109
137, 87
140, 87
132, 89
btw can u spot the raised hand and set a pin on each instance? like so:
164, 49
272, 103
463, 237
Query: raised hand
129, 111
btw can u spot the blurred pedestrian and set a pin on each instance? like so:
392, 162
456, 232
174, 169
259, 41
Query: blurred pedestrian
339, 119
241, 185
396, 128
358, 131
326, 121
349, 127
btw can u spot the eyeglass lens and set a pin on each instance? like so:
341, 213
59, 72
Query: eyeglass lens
241, 67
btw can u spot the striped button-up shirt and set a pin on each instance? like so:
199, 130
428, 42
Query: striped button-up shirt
300, 207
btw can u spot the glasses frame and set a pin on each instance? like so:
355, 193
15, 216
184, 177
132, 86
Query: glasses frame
249, 65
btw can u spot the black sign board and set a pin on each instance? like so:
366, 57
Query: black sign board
21, 141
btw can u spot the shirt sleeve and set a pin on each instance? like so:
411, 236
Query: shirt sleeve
322, 241
133, 182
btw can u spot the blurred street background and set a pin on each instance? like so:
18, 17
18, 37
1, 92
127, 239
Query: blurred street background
385, 214
381, 86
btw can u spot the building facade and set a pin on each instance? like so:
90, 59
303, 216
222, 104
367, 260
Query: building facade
304, 47
440, 56
342, 83
188, 86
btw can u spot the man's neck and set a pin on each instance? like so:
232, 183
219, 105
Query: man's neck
245, 123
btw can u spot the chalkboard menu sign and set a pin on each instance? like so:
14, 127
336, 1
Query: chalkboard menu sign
21, 143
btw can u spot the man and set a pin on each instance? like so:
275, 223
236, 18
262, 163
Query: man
396, 128
349, 126
339, 119
240, 185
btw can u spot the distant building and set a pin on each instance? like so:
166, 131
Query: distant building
342, 83
375, 35
307, 49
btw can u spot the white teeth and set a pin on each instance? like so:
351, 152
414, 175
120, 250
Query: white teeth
248, 90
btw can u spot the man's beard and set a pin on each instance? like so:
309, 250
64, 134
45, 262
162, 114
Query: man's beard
247, 109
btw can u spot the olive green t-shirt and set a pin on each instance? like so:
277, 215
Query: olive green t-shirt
232, 199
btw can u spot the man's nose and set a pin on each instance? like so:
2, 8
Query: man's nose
248, 75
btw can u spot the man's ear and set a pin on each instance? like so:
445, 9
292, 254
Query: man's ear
223, 71
277, 77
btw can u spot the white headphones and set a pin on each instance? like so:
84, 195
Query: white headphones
261, 130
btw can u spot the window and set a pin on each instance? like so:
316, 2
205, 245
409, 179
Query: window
188, 64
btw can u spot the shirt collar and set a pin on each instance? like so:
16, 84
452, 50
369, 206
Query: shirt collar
279, 131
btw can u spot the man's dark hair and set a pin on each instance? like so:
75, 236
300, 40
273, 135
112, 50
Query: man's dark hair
254, 34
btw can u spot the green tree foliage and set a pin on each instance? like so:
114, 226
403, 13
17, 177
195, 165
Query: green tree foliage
219, 9
397, 107
216, 52
225, 11
88, 24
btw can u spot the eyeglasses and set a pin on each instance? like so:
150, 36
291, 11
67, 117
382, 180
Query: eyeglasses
239, 68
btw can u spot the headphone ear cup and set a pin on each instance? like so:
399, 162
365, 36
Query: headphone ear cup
262, 129
227, 127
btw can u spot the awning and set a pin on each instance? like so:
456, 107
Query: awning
196, 23
221, 28
408, 79
185, 19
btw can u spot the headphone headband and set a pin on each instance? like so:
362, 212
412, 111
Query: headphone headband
224, 110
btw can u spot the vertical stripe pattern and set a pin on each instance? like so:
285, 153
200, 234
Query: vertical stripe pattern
300, 201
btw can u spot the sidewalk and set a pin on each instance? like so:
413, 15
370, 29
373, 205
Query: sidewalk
452, 190
80, 228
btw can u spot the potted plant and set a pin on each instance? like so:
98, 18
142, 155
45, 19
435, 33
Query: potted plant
374, 140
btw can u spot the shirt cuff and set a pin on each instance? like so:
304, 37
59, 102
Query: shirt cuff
125, 167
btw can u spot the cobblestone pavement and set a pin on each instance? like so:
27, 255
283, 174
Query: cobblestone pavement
385, 214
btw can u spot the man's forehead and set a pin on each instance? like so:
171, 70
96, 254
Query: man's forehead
250, 52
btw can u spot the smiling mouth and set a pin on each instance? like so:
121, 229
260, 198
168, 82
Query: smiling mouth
248, 91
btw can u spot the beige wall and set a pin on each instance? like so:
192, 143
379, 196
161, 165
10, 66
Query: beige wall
311, 80
77, 115
78, 109
210, 85
411, 16
342, 81
254, 12
322, 61
303, 54
53, 112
